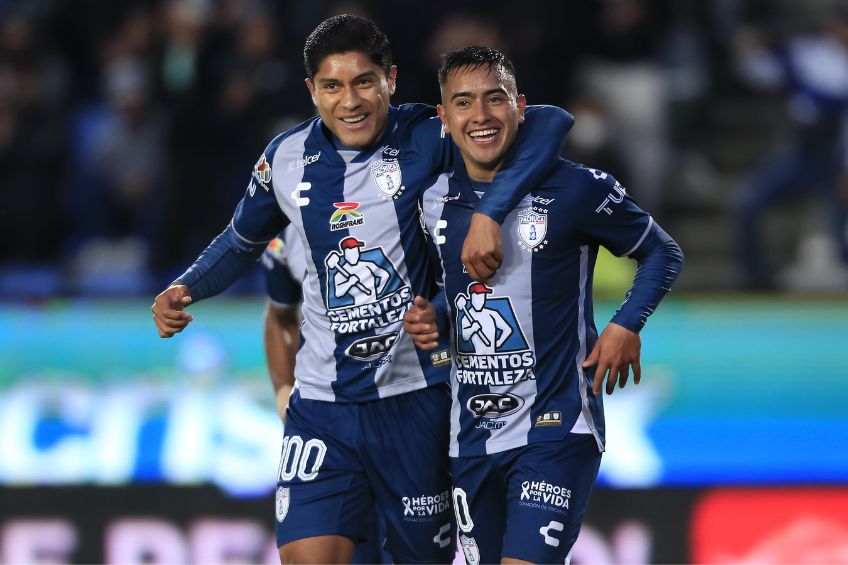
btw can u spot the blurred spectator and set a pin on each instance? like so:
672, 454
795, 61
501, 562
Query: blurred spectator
33, 91
813, 71
116, 178
624, 77
228, 91
111, 109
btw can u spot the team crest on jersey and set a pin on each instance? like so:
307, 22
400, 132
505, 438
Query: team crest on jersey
363, 288
387, 177
282, 503
470, 549
532, 228
262, 172
346, 215
490, 343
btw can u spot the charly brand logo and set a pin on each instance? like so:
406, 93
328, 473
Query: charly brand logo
443, 538
546, 532
387, 176
345, 216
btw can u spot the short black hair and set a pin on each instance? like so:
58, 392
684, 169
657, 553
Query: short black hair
343, 33
472, 57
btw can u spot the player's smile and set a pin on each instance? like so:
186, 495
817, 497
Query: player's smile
352, 94
484, 136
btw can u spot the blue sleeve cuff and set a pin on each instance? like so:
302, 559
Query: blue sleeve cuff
660, 261
226, 259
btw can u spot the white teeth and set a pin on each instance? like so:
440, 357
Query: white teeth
483, 133
354, 120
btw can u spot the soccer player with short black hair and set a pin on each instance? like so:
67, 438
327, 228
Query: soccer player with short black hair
527, 426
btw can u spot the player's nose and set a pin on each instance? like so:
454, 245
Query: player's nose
351, 99
480, 111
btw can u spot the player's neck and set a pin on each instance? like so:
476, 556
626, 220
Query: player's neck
481, 174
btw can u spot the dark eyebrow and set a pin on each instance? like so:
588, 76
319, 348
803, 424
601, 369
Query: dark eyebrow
498, 90
328, 80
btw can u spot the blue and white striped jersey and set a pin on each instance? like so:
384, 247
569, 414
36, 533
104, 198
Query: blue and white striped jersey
519, 344
357, 215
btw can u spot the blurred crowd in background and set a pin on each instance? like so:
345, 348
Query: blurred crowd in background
128, 129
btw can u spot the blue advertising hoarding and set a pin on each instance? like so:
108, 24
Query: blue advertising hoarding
733, 392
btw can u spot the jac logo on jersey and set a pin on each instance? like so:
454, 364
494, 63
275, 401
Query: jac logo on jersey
370, 348
490, 424
492, 405
387, 177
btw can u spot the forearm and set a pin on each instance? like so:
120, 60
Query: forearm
226, 259
660, 261
281, 342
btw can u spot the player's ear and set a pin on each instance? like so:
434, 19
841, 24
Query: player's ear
311, 87
392, 79
522, 104
444, 117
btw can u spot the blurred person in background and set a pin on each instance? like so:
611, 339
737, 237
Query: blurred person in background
284, 265
360, 167
623, 76
812, 69
117, 178
34, 89
225, 82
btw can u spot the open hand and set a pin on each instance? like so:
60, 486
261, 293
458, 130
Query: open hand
615, 351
